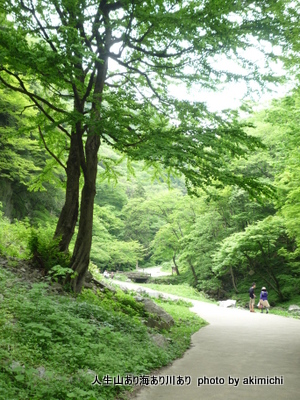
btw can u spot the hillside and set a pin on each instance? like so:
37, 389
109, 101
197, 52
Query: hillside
53, 344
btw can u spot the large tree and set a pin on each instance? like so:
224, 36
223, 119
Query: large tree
99, 70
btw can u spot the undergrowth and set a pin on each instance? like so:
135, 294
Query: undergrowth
52, 347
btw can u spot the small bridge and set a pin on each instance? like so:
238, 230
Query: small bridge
138, 277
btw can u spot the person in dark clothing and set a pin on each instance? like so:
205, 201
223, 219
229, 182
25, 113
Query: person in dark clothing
252, 297
264, 300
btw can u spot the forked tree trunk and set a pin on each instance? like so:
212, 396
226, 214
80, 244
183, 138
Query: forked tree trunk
81, 255
69, 215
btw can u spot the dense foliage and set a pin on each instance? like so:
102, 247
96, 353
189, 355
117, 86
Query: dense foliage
214, 239
101, 73
218, 242
100, 162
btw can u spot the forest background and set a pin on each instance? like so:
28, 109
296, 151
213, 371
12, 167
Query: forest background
100, 162
218, 241
103, 168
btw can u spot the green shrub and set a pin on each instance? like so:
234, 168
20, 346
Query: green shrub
119, 301
13, 237
44, 249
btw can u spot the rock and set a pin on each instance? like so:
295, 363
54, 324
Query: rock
141, 291
124, 288
104, 285
15, 365
159, 318
1, 297
294, 308
3, 262
87, 372
41, 371
88, 277
139, 298
56, 288
82, 374
88, 280
158, 296
88, 285
228, 303
159, 340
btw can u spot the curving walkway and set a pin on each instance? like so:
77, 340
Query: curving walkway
237, 344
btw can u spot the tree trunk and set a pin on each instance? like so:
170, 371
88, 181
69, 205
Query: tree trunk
175, 265
277, 286
193, 271
69, 214
233, 282
81, 255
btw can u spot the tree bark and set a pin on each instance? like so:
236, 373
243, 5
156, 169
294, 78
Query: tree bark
233, 282
193, 271
175, 265
81, 255
69, 215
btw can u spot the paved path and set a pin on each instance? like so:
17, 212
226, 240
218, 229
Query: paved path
238, 344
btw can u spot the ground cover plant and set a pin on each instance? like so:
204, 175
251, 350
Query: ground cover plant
13, 240
53, 346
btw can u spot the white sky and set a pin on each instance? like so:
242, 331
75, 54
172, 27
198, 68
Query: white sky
230, 95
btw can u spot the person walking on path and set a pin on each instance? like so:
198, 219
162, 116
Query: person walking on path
252, 297
264, 300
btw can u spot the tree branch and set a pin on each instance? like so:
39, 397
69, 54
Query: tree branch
136, 70
50, 152
142, 38
24, 108
26, 92
34, 98
89, 86
160, 53
123, 144
110, 7
33, 13
60, 13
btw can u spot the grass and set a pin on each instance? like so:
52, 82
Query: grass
284, 313
282, 308
277, 307
186, 291
52, 347
183, 290
184, 319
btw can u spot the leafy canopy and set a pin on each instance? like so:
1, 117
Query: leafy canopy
71, 57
